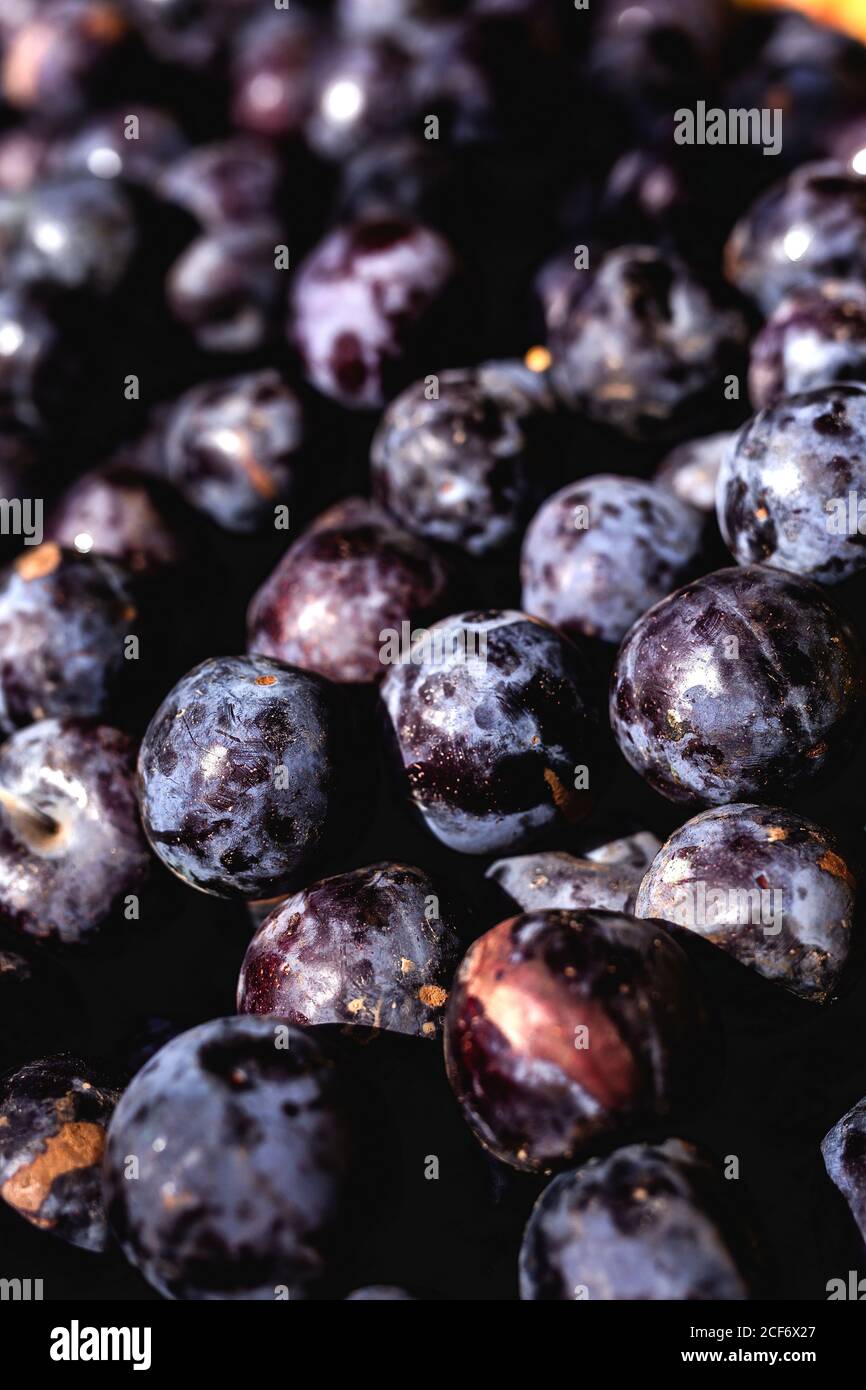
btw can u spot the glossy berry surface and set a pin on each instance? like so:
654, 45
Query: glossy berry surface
239, 1120
358, 303
372, 947
64, 618
230, 181
763, 883
815, 336
69, 234
492, 719
842, 1150
273, 61
808, 228
225, 289
457, 467
601, 551
105, 148
554, 879
644, 347
54, 1114
230, 448
239, 775
567, 1028
350, 578
783, 488
739, 686
648, 1222
71, 845
691, 470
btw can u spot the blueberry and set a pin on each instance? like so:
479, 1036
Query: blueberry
458, 466
567, 1028
116, 512
644, 347
494, 726
225, 287
552, 879
228, 182
72, 850
57, 60
349, 579
110, 147
273, 61
360, 91
691, 470
785, 486
240, 1152
54, 1114
399, 175
230, 448
76, 233
64, 620
808, 228
842, 1149
373, 947
24, 155
241, 775
741, 685
763, 883
814, 337
601, 551
358, 303
38, 378
648, 1222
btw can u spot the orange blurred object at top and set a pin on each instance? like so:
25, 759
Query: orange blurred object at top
849, 15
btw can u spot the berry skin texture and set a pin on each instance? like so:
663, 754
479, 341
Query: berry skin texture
358, 302
119, 513
230, 447
601, 551
351, 576
64, 618
225, 289
808, 228
691, 470
783, 488
491, 719
457, 468
764, 884
644, 348
567, 1028
73, 234
64, 877
816, 336
367, 947
238, 775
556, 880
54, 1114
237, 1130
842, 1150
648, 1222
740, 686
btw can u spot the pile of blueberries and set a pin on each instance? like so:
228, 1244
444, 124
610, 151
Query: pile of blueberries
432, 670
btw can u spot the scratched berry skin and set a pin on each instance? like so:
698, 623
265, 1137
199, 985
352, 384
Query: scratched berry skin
602, 551
54, 1114
647, 1222
565, 1029
843, 1149
64, 618
240, 775
808, 228
766, 885
816, 336
374, 947
740, 686
237, 1127
352, 575
783, 488
491, 719
358, 303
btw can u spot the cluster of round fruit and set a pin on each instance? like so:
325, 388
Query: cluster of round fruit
261, 356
